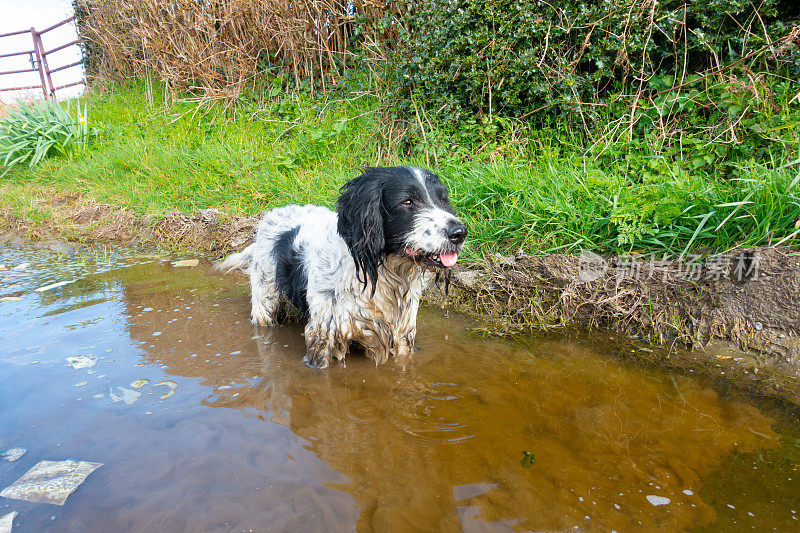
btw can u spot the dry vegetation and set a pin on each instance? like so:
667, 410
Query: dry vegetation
219, 46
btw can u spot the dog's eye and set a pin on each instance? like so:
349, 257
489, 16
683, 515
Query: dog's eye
407, 203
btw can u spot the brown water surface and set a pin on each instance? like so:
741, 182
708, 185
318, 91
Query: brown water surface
474, 435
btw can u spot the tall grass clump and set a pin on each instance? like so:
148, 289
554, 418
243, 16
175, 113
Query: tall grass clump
32, 132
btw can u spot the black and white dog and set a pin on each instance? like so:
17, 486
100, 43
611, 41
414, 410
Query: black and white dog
357, 274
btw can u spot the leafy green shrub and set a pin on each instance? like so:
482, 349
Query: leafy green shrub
32, 132
555, 60
92, 54
315, 143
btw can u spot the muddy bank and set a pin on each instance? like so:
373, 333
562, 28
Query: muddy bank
742, 331
750, 301
751, 298
80, 219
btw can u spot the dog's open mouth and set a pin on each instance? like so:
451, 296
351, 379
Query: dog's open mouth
444, 260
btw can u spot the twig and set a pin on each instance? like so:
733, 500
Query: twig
422, 128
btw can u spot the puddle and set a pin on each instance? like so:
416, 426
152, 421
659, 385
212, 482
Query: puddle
203, 423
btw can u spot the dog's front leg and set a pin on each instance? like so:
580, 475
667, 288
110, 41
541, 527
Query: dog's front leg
377, 339
323, 343
405, 346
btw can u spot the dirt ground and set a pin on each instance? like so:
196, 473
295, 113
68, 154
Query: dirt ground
735, 315
75, 218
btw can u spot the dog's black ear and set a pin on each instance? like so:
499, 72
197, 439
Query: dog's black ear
361, 224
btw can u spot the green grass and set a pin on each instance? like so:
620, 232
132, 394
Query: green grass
559, 205
294, 149
155, 160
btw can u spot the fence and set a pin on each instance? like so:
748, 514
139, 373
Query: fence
38, 60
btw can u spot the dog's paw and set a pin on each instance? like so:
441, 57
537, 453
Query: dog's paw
317, 361
262, 320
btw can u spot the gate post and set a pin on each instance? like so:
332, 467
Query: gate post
39, 55
45, 66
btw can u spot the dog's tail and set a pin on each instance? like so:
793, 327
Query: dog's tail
235, 261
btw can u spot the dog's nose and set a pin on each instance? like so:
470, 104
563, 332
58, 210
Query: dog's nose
456, 232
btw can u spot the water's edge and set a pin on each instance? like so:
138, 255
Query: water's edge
737, 339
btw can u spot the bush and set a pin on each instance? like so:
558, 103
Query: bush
32, 132
92, 54
556, 61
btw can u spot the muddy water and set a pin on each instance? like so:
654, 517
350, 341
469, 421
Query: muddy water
202, 423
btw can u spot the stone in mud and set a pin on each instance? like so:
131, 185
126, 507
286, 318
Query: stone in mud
235, 243
7, 521
59, 246
50, 481
186, 263
469, 278
81, 361
14, 454
209, 214
139, 383
657, 500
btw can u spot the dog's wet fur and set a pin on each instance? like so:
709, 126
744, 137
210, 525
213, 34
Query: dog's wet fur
355, 275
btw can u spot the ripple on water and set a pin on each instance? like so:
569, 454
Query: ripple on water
231, 430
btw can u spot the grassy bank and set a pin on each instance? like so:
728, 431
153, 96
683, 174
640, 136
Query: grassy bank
513, 187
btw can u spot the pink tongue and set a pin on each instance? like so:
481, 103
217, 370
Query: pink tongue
449, 259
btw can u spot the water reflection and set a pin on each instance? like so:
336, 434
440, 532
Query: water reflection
441, 441
471, 434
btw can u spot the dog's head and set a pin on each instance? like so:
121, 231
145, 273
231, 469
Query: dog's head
398, 210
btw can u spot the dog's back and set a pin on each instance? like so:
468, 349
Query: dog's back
275, 225
290, 243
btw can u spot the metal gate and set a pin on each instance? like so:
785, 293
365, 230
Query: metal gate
38, 60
